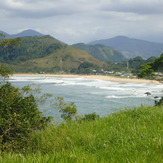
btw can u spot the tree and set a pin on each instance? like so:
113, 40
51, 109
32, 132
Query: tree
158, 64
68, 110
87, 67
160, 102
4, 43
90, 117
5, 72
19, 113
19, 117
147, 70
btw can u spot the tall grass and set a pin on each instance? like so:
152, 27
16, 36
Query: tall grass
127, 136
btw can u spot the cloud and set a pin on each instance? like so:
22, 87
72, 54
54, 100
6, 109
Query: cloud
35, 9
82, 20
49, 8
137, 6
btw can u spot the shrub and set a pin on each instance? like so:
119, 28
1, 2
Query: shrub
160, 102
90, 117
68, 110
19, 117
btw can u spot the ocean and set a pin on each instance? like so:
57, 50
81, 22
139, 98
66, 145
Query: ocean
91, 95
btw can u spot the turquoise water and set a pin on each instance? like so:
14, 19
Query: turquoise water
102, 97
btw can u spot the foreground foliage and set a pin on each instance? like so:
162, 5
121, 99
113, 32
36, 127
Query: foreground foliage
19, 117
128, 136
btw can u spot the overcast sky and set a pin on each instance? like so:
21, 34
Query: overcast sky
74, 21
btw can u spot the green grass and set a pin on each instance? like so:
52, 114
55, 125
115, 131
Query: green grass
130, 136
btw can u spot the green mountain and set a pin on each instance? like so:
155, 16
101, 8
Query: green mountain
131, 48
30, 48
44, 53
102, 52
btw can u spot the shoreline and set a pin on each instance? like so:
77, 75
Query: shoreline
100, 77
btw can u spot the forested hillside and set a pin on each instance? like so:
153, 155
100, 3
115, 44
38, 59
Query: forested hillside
102, 52
43, 53
30, 48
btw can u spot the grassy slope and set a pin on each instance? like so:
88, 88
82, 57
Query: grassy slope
128, 136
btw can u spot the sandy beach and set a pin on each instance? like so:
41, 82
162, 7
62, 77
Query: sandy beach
101, 77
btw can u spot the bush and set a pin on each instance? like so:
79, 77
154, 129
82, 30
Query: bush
90, 117
159, 103
68, 110
19, 117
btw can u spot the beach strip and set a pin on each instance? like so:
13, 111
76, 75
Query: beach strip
100, 77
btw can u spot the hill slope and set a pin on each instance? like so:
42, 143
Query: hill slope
64, 59
102, 52
44, 53
131, 48
30, 48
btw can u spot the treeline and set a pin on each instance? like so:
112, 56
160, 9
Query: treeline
152, 70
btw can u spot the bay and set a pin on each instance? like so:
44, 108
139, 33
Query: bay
92, 95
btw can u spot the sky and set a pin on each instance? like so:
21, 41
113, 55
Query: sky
74, 21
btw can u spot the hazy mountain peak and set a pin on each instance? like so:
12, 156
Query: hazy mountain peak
6, 34
131, 47
28, 32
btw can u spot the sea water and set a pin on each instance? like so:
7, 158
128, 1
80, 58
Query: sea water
92, 95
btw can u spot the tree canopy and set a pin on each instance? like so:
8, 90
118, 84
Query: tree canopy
19, 117
152, 69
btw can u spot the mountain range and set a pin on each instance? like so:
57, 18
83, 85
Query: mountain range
25, 33
100, 52
131, 47
128, 47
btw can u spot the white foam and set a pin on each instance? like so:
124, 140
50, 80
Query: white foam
132, 89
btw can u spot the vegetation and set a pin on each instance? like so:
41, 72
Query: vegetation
43, 54
46, 54
147, 70
29, 48
102, 52
27, 136
19, 117
160, 102
135, 63
128, 136
131, 48
4, 71
68, 110
4, 43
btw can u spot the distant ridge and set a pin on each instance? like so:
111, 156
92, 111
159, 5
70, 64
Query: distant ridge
131, 47
6, 34
25, 33
102, 52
